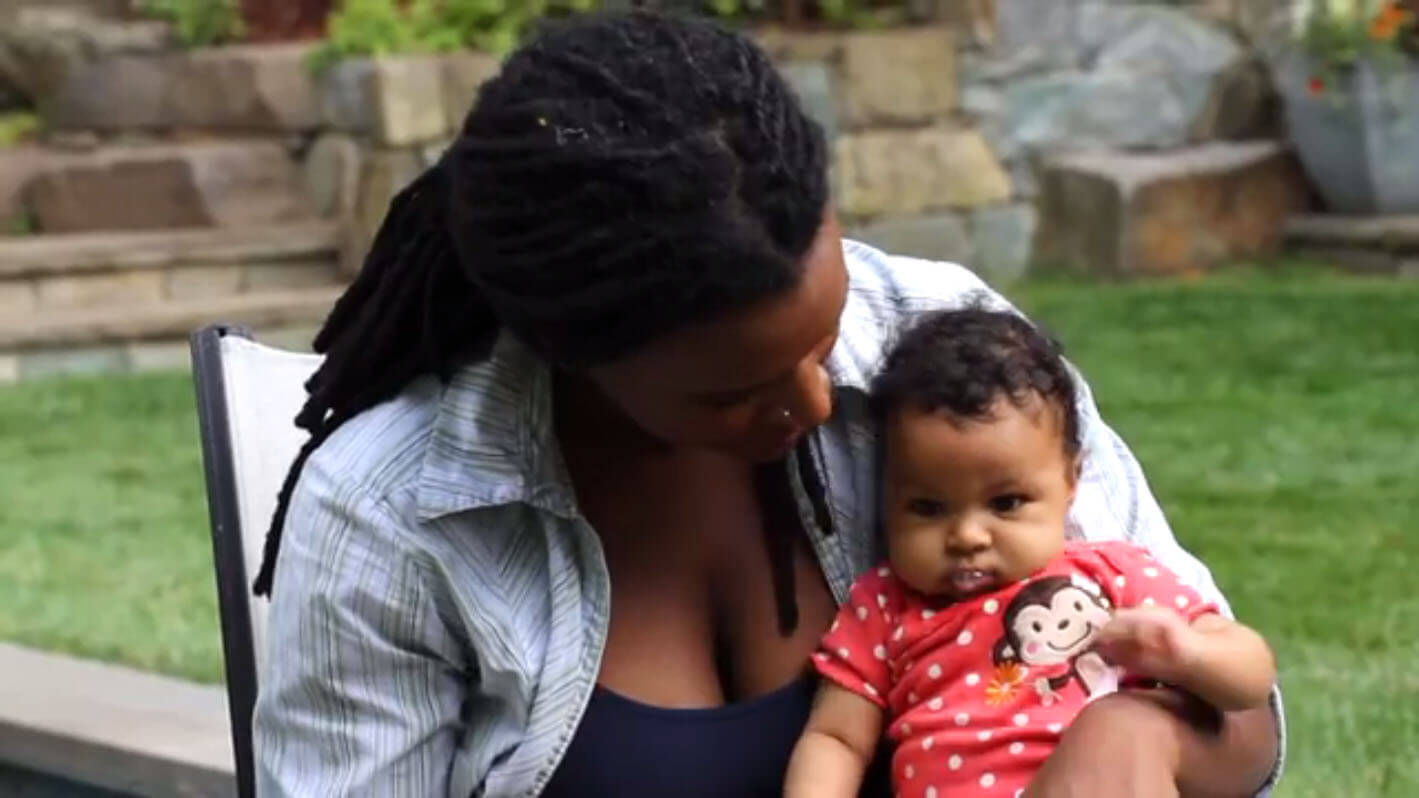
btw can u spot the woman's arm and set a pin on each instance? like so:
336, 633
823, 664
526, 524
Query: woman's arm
1160, 743
363, 684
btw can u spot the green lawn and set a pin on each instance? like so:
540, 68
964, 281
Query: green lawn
1277, 416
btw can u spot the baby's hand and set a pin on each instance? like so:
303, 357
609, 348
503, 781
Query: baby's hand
1148, 641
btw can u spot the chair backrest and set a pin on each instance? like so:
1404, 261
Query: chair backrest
247, 399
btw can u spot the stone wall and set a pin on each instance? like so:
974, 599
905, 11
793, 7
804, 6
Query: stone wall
940, 136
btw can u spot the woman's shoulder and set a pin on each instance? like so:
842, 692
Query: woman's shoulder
899, 283
380, 451
885, 292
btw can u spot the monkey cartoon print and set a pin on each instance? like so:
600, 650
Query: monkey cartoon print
1049, 627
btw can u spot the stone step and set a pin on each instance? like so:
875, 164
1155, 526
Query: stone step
221, 183
120, 730
44, 275
168, 321
1168, 212
1381, 244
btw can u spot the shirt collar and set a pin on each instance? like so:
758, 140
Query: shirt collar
493, 440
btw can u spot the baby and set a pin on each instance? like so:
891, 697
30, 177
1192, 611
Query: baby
986, 632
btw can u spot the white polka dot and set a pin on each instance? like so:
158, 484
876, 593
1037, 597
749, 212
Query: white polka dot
934, 671
910, 772
988, 780
926, 615
1055, 728
1148, 602
964, 638
972, 679
1019, 793
1181, 601
985, 735
935, 703
883, 571
881, 601
911, 698
880, 652
872, 691
1020, 719
954, 762
844, 653
897, 635
962, 718
906, 729
862, 613
930, 792
1151, 573
927, 743
990, 606
1120, 581
1016, 748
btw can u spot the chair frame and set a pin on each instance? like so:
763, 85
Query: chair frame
233, 589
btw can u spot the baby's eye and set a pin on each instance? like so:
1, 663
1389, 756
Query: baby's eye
926, 508
1007, 503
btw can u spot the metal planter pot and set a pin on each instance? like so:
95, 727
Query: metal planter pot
1358, 136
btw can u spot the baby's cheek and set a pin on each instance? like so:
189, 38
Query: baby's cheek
1032, 648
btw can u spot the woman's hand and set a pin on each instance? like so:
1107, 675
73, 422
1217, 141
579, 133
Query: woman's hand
1145, 743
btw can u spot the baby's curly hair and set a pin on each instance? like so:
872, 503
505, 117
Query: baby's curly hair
963, 361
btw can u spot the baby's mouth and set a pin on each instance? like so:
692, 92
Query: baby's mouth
969, 581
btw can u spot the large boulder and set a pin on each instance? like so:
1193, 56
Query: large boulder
40, 46
256, 88
166, 186
1113, 76
1166, 213
885, 172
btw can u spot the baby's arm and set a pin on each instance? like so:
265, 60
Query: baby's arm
836, 747
1221, 661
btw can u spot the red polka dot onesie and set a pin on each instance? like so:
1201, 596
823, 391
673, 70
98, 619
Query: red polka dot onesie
977, 692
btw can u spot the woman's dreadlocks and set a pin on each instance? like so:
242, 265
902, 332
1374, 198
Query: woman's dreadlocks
623, 175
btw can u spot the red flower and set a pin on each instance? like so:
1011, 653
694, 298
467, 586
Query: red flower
1315, 86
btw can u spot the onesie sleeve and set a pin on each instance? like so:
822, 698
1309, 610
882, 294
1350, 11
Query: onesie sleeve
1133, 578
853, 654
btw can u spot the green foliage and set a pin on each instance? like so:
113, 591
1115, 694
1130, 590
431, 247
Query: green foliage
17, 127
384, 27
1339, 33
18, 224
198, 23
852, 14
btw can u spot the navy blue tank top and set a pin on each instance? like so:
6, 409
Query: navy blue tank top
626, 749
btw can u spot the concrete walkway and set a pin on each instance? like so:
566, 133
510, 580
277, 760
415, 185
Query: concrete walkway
113, 727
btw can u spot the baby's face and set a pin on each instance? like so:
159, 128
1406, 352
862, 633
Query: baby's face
971, 506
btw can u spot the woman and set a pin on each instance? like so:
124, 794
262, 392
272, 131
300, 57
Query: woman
591, 464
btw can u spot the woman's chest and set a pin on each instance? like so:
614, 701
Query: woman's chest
694, 588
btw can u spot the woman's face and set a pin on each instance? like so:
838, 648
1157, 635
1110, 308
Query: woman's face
726, 384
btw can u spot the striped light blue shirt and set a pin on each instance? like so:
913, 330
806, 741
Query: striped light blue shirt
440, 607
